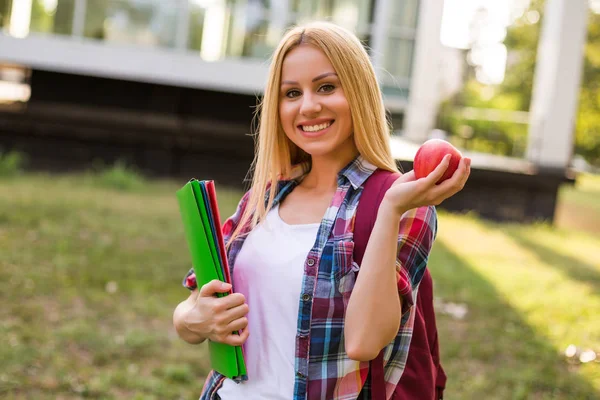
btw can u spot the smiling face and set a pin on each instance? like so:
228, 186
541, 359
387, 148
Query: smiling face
313, 109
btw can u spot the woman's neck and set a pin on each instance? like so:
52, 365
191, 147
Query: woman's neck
324, 171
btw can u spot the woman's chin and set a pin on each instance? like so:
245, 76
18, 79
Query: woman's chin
326, 146
318, 149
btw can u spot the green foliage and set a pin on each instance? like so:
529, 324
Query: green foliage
119, 176
515, 92
588, 118
522, 42
484, 135
41, 19
11, 163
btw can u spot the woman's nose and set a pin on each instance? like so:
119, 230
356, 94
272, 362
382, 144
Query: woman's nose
310, 105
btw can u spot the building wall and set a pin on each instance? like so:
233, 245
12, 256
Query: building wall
177, 76
207, 44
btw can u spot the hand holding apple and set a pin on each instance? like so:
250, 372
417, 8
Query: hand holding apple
410, 191
430, 155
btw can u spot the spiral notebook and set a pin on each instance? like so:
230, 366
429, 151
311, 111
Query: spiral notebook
202, 225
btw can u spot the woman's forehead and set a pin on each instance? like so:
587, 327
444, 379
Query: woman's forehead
305, 62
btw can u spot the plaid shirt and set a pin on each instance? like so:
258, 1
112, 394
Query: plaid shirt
323, 369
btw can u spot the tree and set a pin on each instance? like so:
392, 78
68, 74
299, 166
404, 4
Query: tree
514, 93
588, 118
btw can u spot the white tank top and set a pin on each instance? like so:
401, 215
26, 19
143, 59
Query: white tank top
268, 271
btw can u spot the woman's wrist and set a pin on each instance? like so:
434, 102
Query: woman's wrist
388, 210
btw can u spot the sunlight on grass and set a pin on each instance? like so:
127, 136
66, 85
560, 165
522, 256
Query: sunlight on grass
579, 205
67, 243
523, 266
90, 274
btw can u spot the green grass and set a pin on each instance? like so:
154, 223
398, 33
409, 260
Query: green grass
90, 273
579, 206
11, 163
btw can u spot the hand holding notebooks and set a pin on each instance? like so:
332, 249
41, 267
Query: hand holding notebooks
202, 225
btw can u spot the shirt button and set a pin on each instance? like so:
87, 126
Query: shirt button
311, 262
306, 297
300, 375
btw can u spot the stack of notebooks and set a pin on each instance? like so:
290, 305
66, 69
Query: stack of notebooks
200, 214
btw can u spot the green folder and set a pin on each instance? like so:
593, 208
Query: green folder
202, 226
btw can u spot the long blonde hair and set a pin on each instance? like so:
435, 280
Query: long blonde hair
275, 154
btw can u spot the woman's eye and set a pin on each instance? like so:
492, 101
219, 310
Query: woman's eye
326, 88
292, 93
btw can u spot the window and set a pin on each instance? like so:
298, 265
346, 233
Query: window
140, 22
399, 47
398, 56
404, 13
21, 17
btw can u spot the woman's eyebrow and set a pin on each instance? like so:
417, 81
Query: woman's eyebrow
325, 75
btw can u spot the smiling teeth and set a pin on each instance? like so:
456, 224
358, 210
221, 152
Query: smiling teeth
315, 128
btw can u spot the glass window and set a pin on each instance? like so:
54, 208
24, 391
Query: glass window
141, 22
355, 15
63, 17
395, 90
43, 15
196, 26
236, 28
21, 17
5, 6
398, 57
404, 13
255, 29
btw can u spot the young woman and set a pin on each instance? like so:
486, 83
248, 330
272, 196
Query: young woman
310, 322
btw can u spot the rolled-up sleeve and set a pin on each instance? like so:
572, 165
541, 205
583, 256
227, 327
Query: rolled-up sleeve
189, 281
416, 234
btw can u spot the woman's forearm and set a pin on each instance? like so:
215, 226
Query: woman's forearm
374, 309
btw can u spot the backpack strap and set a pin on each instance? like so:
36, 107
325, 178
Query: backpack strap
374, 190
366, 213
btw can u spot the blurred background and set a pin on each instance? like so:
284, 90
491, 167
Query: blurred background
107, 107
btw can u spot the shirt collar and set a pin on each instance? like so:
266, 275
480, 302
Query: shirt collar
357, 172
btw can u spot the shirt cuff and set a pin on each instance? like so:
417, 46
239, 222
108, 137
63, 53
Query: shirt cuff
189, 281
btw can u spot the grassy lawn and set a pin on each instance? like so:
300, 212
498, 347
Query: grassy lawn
579, 206
89, 276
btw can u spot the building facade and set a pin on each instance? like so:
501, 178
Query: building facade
172, 86
158, 81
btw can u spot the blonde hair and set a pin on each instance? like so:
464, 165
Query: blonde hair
275, 154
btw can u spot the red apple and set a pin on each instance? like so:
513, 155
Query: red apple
431, 154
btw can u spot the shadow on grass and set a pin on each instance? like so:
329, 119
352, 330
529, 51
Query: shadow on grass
576, 269
494, 353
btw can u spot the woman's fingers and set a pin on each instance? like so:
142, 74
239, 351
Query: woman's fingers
407, 193
234, 339
223, 332
435, 175
234, 313
454, 184
213, 287
405, 177
231, 301
237, 325
460, 176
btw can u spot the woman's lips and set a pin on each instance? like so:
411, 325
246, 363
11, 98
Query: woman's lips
315, 134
